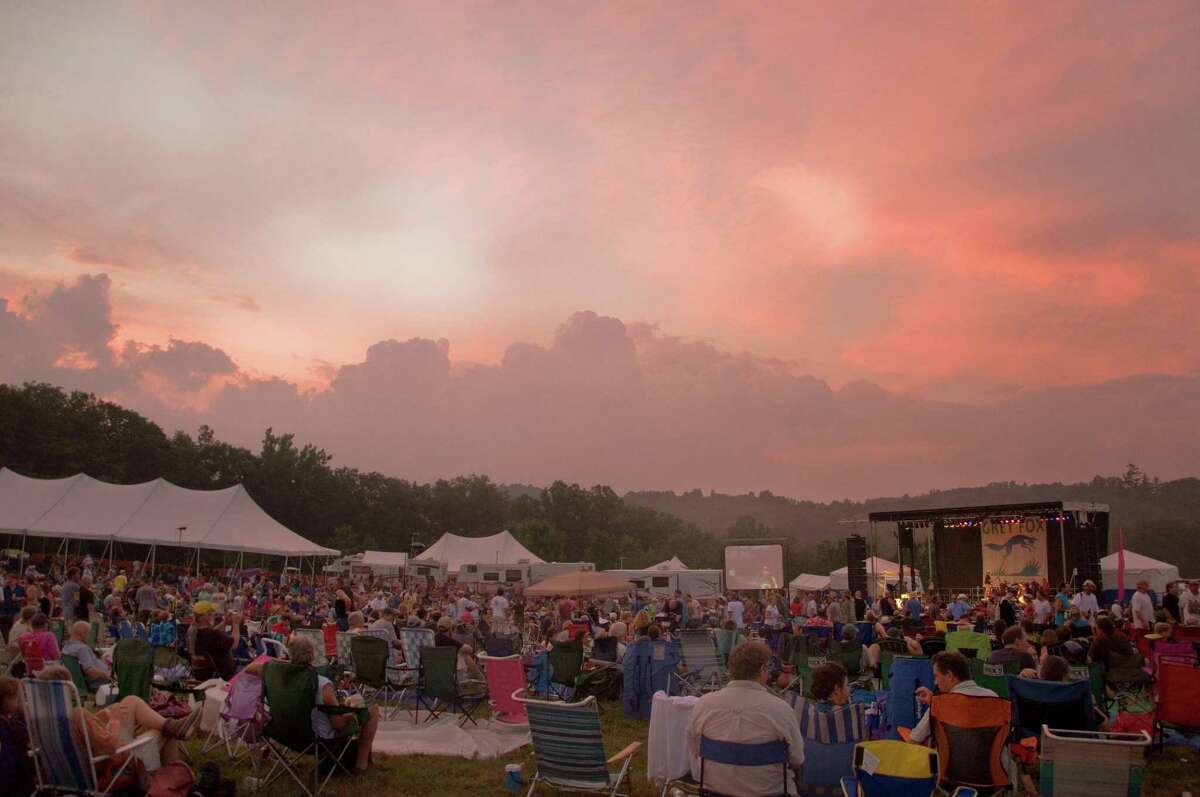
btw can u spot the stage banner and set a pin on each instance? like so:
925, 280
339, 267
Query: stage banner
1014, 551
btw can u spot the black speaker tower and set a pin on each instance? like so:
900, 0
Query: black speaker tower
856, 562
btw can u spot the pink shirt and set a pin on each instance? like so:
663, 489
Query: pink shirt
47, 644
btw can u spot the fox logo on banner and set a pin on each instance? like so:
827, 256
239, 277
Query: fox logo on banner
1014, 551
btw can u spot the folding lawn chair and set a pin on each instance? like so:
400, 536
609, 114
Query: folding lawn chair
646, 669
993, 676
238, 730
705, 673
77, 677
850, 656
829, 740
505, 675
133, 663
411, 642
344, 658
895, 769
31, 654
1094, 674
566, 662
372, 675
320, 660
743, 754
970, 733
907, 674
1062, 705
568, 749
440, 689
290, 692
604, 649
57, 627
1092, 763
726, 641
1178, 696
273, 648
61, 747
978, 643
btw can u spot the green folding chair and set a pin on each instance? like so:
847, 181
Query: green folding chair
57, 627
440, 689
568, 749
77, 677
133, 662
290, 692
371, 675
566, 662
976, 641
993, 676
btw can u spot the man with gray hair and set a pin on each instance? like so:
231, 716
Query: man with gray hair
95, 671
745, 711
302, 653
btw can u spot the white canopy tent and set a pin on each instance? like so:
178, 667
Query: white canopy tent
156, 513
671, 564
456, 551
883, 571
1138, 567
807, 582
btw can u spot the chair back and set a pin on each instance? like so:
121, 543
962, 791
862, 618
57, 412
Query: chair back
605, 649
970, 733
866, 632
502, 645
647, 668
849, 655
932, 645
505, 675
1179, 694
1092, 673
318, 641
133, 661
745, 754
329, 634
907, 674
57, 626
31, 652
72, 665
1065, 705
1126, 668
829, 740
700, 653
726, 641
975, 641
344, 657
1093, 763
568, 745
889, 768
273, 647
439, 672
370, 656
245, 695
566, 662
412, 640
290, 692
62, 758
993, 676
94, 634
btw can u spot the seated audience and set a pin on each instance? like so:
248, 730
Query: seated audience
1016, 648
95, 671
46, 642
951, 674
1108, 640
746, 711
16, 767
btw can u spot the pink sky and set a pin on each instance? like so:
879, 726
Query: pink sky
966, 208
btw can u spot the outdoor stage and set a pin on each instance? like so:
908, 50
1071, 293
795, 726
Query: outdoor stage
1053, 540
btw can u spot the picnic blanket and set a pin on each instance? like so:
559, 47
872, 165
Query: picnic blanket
443, 737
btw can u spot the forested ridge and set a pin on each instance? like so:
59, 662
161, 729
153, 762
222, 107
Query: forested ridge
49, 433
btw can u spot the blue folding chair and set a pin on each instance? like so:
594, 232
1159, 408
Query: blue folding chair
648, 668
907, 675
888, 768
739, 754
1065, 706
830, 735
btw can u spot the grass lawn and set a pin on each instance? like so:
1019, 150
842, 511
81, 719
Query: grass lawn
1168, 774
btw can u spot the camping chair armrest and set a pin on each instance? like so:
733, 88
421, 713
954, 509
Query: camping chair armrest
628, 751
135, 744
337, 710
964, 791
849, 786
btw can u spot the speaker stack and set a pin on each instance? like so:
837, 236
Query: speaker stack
856, 562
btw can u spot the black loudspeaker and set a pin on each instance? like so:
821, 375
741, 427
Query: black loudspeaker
906, 536
856, 562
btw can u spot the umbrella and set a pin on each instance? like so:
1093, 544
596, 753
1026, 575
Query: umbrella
580, 582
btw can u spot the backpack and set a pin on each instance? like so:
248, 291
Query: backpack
172, 780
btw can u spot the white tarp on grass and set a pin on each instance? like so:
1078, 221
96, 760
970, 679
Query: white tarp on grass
151, 513
443, 737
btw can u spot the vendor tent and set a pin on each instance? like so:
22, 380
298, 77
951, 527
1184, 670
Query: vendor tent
671, 564
807, 582
1138, 568
456, 551
151, 513
384, 559
881, 569
580, 582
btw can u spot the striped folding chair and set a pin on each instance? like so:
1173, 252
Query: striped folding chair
318, 639
830, 735
408, 676
568, 748
705, 672
62, 756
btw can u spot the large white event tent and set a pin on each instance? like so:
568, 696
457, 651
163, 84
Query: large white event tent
807, 582
670, 564
155, 513
1138, 567
883, 571
456, 551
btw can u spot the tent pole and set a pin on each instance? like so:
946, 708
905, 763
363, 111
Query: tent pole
197, 562
21, 561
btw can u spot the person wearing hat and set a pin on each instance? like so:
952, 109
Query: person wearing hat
1086, 601
960, 608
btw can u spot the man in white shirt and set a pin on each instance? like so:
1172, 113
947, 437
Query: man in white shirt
737, 612
1086, 601
499, 606
1143, 607
951, 674
1189, 602
745, 711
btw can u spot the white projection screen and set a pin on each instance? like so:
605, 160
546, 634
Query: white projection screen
754, 567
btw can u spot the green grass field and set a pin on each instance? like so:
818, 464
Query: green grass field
1168, 774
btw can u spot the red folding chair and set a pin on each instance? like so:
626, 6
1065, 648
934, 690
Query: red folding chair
330, 633
1177, 695
31, 653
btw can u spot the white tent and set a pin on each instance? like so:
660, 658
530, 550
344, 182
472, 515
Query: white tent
152, 513
884, 572
671, 564
456, 551
1137, 568
807, 582
385, 559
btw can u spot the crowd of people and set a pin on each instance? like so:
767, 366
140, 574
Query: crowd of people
216, 620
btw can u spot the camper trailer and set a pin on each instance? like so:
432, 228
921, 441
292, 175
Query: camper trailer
481, 574
418, 569
543, 570
698, 583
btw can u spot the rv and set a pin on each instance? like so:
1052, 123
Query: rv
482, 574
419, 569
543, 570
698, 583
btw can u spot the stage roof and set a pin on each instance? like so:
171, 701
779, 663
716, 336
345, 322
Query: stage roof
1033, 508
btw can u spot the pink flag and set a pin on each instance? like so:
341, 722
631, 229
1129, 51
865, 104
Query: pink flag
1121, 567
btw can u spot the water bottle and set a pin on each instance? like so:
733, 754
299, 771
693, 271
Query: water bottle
513, 780
251, 784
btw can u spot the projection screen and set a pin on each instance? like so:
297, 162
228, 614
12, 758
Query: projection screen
754, 567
